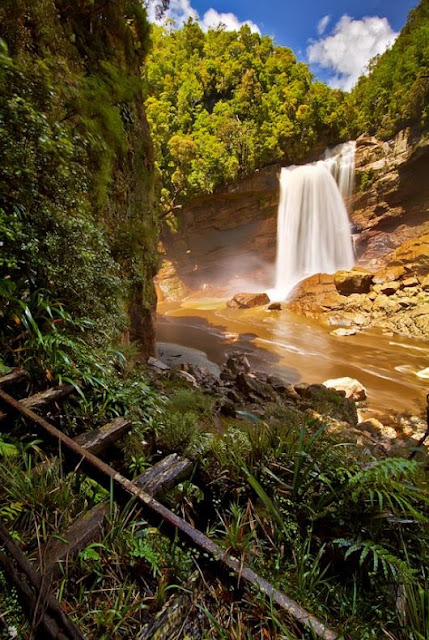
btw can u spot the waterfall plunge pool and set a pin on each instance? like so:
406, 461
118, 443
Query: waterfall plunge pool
300, 350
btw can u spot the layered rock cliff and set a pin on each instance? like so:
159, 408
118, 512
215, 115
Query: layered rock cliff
231, 234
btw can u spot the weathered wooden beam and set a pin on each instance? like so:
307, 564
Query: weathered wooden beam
165, 474
44, 398
45, 610
106, 475
171, 620
16, 376
99, 439
85, 530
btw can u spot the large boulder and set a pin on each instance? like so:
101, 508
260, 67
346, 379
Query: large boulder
248, 300
352, 388
353, 281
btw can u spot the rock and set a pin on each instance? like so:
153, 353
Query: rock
227, 408
354, 281
188, 377
238, 363
390, 274
249, 385
389, 288
157, 364
342, 331
275, 306
425, 283
353, 388
248, 300
277, 383
410, 282
301, 388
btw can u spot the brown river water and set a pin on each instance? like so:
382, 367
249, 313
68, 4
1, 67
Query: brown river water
301, 350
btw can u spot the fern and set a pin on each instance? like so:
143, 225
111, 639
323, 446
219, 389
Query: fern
392, 484
379, 558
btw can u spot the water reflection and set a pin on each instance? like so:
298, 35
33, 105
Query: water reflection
300, 349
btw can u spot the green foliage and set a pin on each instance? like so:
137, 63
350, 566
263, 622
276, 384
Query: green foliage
76, 180
222, 103
396, 92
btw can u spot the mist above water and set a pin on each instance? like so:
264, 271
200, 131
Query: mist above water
313, 229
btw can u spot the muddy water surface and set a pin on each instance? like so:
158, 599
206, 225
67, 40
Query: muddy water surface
299, 349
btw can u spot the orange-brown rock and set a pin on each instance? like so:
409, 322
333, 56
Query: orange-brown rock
248, 300
353, 281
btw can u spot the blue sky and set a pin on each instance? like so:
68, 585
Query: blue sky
336, 37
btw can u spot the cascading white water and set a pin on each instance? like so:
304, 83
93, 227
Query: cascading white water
313, 229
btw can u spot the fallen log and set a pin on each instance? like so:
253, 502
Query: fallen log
45, 610
99, 439
107, 476
165, 474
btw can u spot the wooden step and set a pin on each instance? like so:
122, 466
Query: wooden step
99, 439
165, 474
44, 398
85, 530
15, 376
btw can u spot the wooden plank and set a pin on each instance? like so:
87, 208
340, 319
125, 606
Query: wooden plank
165, 474
44, 398
85, 530
99, 439
171, 621
44, 609
106, 475
16, 376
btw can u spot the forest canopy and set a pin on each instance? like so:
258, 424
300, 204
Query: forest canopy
221, 104
396, 92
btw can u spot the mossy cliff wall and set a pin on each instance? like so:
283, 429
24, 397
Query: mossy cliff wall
77, 181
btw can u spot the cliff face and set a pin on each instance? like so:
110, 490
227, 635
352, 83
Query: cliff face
230, 234
391, 203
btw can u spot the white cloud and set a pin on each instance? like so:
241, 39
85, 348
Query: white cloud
350, 46
322, 24
212, 19
181, 10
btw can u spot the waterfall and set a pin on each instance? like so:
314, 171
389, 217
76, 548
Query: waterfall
313, 230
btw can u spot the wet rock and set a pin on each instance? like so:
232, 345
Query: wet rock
352, 388
238, 363
248, 300
353, 281
343, 331
275, 306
